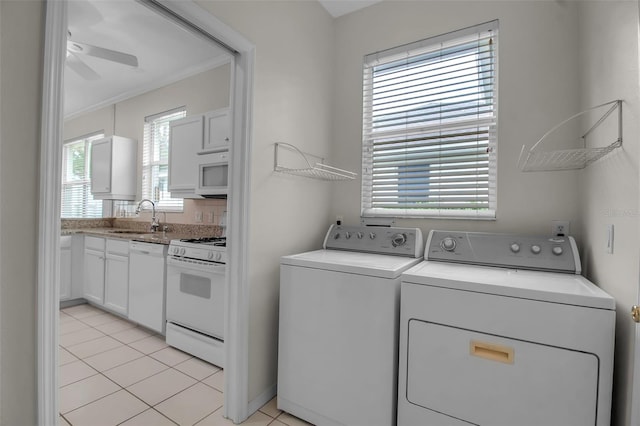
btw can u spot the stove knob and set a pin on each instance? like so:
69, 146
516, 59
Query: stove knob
535, 249
210, 255
398, 240
372, 235
557, 250
336, 236
347, 235
182, 251
359, 235
175, 250
515, 247
218, 256
448, 244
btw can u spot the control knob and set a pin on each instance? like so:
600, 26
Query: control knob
218, 256
359, 235
448, 244
210, 255
336, 236
398, 240
557, 250
183, 251
515, 247
372, 235
535, 249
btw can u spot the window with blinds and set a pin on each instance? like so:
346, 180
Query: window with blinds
430, 127
155, 160
77, 201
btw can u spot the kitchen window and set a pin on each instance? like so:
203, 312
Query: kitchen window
77, 201
155, 160
430, 127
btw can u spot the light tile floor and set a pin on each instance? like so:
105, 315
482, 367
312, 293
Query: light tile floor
114, 373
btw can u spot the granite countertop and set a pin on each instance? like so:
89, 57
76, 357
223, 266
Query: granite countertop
136, 231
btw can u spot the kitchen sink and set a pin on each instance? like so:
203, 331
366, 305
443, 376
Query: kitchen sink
129, 231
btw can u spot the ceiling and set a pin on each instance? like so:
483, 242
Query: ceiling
166, 52
341, 7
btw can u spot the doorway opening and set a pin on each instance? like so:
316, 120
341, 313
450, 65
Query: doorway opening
235, 407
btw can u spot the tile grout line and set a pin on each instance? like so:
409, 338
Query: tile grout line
143, 356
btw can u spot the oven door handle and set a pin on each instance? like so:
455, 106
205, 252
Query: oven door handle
186, 265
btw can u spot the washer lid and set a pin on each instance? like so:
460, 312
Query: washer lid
376, 265
535, 285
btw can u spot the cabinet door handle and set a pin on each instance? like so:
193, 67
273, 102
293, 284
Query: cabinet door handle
491, 351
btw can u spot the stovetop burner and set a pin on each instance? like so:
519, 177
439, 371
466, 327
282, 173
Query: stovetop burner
214, 241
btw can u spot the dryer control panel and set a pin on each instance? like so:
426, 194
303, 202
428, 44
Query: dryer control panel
375, 239
557, 254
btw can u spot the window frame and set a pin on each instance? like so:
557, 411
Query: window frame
84, 183
488, 121
168, 204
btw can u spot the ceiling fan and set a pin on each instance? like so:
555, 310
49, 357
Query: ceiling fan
76, 49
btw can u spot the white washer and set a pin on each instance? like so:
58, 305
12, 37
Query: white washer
501, 330
339, 316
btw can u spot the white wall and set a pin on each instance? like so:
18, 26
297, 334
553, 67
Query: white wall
200, 93
21, 46
292, 92
537, 89
609, 188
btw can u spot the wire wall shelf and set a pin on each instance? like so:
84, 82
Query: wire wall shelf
571, 159
317, 170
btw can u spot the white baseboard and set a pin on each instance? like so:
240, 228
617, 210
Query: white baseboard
262, 399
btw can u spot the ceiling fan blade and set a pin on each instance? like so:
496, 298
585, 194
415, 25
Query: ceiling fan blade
101, 52
82, 69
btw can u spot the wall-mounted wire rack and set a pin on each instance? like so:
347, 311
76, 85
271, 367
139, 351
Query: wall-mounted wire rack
317, 170
571, 159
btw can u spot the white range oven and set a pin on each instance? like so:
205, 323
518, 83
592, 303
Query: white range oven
196, 276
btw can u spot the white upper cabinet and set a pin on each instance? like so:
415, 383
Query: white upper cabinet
217, 131
190, 137
185, 139
113, 168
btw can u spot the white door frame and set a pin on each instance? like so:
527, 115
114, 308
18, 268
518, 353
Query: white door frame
236, 316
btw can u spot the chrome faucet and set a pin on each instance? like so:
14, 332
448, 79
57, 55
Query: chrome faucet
154, 221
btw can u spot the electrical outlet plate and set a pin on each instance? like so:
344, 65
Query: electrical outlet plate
560, 228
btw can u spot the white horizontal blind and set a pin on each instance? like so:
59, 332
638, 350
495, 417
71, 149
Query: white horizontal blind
429, 127
155, 160
77, 201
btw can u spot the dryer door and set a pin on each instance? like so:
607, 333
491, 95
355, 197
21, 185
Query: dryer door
489, 380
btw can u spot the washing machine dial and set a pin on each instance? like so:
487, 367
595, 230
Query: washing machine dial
398, 240
515, 247
535, 249
557, 250
448, 244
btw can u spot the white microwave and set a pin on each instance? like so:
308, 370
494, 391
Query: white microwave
213, 175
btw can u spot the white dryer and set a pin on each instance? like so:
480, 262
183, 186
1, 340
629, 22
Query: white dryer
339, 317
502, 330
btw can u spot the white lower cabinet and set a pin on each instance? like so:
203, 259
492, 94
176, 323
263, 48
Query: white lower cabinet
93, 289
106, 273
65, 267
116, 276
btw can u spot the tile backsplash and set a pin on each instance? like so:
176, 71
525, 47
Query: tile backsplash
195, 212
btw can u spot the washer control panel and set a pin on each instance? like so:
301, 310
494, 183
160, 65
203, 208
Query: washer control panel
559, 254
375, 239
